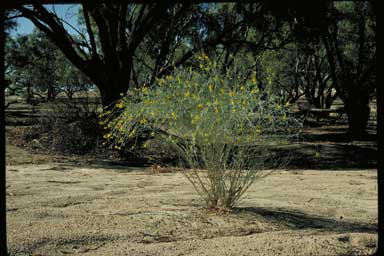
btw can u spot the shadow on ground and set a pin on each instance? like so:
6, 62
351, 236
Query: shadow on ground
322, 148
334, 149
299, 220
332, 157
117, 165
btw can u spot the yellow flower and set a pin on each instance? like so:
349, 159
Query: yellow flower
210, 87
195, 119
132, 133
200, 106
231, 93
120, 104
108, 136
216, 110
254, 91
187, 94
204, 56
144, 89
173, 114
119, 123
143, 120
254, 81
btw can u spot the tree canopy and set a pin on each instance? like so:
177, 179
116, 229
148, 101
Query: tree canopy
319, 49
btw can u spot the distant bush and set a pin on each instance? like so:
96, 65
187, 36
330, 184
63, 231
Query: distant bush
71, 130
219, 126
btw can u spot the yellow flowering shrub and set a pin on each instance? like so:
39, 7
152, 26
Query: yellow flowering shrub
213, 122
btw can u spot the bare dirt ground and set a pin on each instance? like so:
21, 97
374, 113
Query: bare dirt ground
63, 205
70, 208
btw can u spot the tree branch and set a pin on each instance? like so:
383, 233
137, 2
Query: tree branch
89, 30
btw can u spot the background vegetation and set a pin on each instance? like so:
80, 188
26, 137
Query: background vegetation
142, 66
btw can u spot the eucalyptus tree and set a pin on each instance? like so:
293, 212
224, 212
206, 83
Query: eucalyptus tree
126, 45
32, 65
349, 40
70, 80
346, 32
107, 52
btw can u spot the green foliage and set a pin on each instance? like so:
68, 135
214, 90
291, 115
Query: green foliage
213, 122
31, 62
35, 65
70, 79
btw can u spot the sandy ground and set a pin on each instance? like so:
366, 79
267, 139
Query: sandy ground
70, 209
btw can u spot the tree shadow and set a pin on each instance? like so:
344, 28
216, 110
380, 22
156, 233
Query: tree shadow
331, 156
337, 136
300, 220
119, 166
326, 148
331, 148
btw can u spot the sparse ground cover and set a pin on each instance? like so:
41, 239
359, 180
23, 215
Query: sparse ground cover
62, 206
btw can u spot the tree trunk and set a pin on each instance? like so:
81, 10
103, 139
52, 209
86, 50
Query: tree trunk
111, 94
357, 107
112, 84
51, 93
